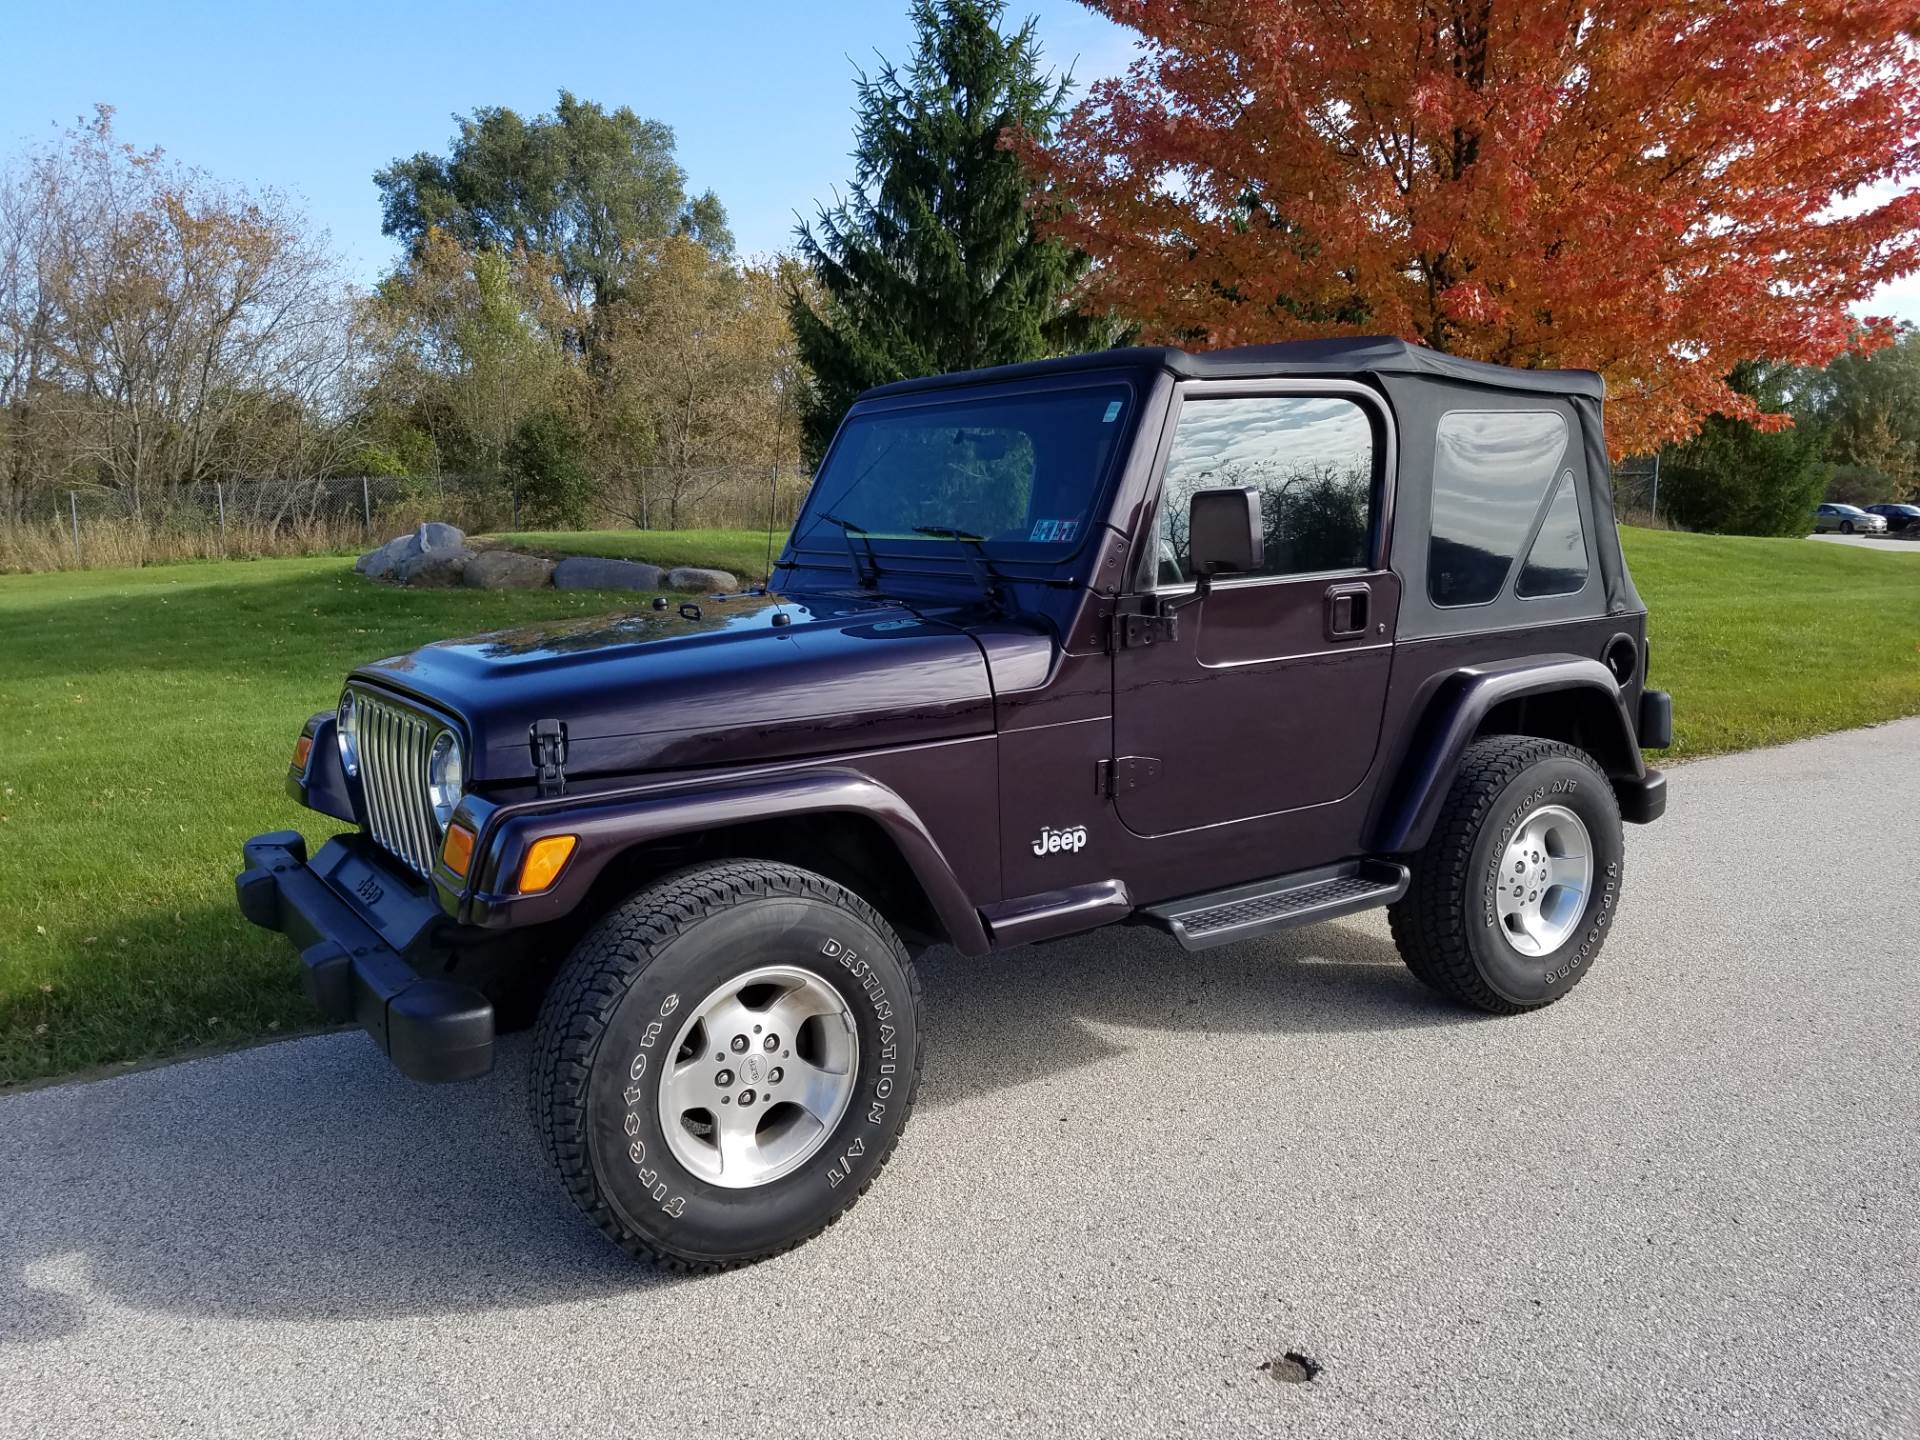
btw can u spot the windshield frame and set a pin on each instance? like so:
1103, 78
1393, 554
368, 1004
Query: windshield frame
819, 540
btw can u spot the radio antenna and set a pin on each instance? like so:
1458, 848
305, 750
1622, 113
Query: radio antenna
773, 501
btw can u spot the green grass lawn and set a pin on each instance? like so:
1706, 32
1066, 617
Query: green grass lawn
741, 553
1762, 641
146, 717
146, 720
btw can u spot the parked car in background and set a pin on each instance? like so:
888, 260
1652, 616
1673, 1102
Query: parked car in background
1848, 520
1898, 517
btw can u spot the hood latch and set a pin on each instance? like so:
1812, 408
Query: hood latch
549, 741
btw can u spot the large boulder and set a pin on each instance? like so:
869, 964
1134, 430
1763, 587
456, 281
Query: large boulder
704, 582
378, 564
592, 572
507, 570
433, 568
430, 538
435, 535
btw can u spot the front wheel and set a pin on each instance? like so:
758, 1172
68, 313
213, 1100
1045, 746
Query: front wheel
726, 1061
1846, 527
1511, 899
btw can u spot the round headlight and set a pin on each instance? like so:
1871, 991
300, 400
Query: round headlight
347, 727
446, 777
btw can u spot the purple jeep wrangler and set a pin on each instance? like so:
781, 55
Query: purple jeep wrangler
1218, 643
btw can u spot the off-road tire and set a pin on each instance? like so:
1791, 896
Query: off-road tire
672, 944
1444, 925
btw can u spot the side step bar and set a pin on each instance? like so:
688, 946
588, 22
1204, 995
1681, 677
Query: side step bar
1200, 922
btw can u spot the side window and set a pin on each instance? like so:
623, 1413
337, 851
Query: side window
1310, 457
1490, 473
1557, 562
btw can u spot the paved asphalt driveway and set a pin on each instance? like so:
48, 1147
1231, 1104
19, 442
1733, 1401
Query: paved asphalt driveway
1897, 544
1681, 1203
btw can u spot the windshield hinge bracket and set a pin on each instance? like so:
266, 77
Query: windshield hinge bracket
1129, 629
548, 738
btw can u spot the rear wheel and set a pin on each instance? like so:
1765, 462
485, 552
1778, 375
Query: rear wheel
1511, 899
726, 1061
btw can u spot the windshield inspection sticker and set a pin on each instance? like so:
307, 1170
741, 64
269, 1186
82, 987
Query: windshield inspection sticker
1113, 413
1055, 531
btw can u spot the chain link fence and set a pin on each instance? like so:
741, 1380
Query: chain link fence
86, 527
1636, 491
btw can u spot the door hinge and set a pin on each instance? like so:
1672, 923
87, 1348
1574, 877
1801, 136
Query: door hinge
1129, 772
548, 739
1127, 629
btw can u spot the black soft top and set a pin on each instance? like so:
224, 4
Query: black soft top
1422, 386
1355, 355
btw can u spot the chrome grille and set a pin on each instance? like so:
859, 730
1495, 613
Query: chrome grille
394, 743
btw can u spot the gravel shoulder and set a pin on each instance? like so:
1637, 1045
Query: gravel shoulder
1684, 1201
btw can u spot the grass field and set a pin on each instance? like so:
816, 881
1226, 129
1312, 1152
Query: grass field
146, 717
1763, 641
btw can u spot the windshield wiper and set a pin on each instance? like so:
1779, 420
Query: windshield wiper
847, 531
977, 561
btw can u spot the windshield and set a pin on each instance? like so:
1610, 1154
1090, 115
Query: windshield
1020, 474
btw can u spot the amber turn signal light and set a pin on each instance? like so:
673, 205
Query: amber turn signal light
546, 858
457, 853
302, 748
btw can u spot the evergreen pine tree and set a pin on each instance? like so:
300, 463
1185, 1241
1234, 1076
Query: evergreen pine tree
933, 263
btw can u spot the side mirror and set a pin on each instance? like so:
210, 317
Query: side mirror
1225, 534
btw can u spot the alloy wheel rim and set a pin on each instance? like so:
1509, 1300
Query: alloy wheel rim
1545, 875
763, 1070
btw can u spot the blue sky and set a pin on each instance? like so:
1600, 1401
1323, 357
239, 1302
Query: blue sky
312, 100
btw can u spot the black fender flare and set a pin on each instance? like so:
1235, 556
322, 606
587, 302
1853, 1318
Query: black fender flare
322, 785
1458, 704
607, 827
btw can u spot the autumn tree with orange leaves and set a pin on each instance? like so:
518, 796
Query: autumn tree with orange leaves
1654, 189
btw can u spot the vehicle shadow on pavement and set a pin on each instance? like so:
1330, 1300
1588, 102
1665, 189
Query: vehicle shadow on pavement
1045, 1009
308, 1180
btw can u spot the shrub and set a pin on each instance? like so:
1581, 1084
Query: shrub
1736, 480
549, 478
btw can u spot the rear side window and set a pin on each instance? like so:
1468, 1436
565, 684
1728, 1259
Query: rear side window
1491, 469
1557, 560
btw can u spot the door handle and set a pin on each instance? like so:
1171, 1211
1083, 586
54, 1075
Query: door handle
1349, 610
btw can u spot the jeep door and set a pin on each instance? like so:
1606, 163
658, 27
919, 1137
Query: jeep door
1268, 695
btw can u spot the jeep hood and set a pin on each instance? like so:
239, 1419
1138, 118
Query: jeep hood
723, 681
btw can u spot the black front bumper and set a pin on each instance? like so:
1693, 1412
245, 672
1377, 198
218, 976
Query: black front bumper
356, 922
